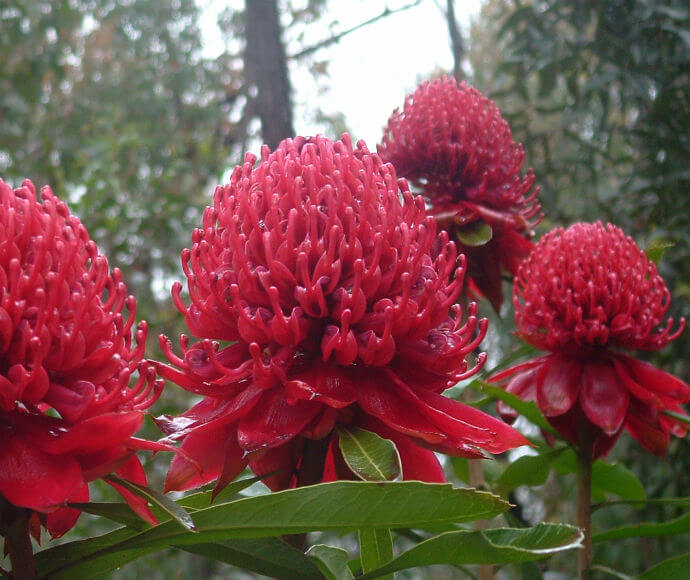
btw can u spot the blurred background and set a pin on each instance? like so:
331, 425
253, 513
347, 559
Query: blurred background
133, 110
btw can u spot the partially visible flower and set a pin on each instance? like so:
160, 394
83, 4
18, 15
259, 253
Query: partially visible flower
335, 288
451, 142
67, 413
586, 294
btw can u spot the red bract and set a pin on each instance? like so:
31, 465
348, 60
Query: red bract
586, 294
336, 289
451, 141
67, 414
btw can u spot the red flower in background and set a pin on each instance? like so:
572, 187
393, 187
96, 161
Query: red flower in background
586, 294
451, 141
67, 414
338, 297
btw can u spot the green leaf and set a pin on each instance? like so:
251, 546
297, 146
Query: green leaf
675, 567
370, 457
116, 512
527, 409
174, 510
527, 470
344, 506
375, 548
680, 525
332, 562
499, 546
617, 479
204, 498
268, 556
476, 234
656, 251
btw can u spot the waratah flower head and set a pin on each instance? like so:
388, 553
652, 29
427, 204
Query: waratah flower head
67, 412
337, 292
453, 143
586, 294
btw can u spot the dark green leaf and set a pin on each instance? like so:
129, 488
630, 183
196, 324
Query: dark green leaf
174, 510
676, 567
499, 546
369, 456
332, 562
117, 512
268, 556
680, 525
341, 506
527, 409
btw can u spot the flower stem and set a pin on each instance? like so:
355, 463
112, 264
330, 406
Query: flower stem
15, 529
310, 472
584, 502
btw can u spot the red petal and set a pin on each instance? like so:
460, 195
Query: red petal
524, 385
470, 426
31, 478
281, 461
558, 385
273, 421
657, 380
87, 436
417, 463
379, 398
327, 384
134, 472
201, 458
603, 398
644, 426
62, 520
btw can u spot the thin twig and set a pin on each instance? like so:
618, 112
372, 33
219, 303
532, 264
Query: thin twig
337, 37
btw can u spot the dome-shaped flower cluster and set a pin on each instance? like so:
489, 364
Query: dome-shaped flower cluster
585, 294
335, 293
67, 412
453, 143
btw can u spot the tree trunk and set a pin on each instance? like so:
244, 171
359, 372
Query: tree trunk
266, 72
456, 43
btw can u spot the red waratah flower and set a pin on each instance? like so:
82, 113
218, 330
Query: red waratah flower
334, 290
586, 294
451, 142
67, 414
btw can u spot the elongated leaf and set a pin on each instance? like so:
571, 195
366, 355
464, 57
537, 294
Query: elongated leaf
527, 470
375, 548
369, 456
683, 502
203, 499
342, 506
676, 567
499, 546
332, 562
680, 525
174, 510
116, 512
269, 556
527, 409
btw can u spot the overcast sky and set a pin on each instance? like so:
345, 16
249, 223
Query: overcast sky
372, 69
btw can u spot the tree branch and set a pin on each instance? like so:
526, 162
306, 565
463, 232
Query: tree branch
336, 38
